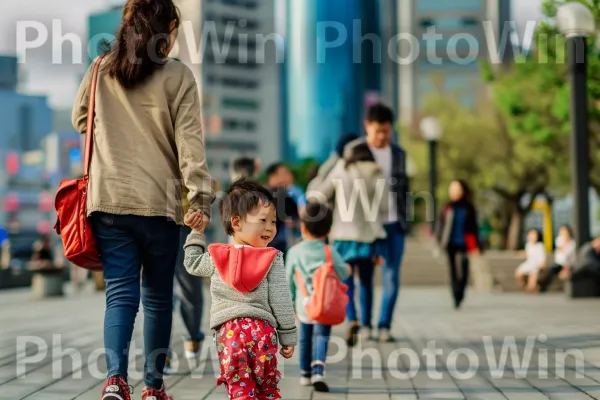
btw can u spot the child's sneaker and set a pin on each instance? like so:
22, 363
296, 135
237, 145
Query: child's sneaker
318, 382
305, 381
116, 388
154, 394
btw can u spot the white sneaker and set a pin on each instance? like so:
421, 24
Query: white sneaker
385, 336
191, 349
305, 381
318, 382
365, 334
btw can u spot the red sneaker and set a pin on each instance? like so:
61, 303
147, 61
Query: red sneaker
154, 394
116, 388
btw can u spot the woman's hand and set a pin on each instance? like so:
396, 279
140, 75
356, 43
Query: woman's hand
196, 220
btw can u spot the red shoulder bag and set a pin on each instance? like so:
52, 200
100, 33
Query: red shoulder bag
71, 200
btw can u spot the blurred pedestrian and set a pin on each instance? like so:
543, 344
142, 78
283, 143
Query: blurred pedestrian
391, 158
290, 202
357, 233
528, 272
147, 133
244, 167
457, 233
331, 162
564, 258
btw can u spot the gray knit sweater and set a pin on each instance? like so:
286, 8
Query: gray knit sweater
270, 300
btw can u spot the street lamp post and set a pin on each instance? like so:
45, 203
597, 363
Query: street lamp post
432, 132
576, 22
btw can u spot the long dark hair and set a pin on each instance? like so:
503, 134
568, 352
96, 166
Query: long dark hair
142, 42
467, 196
358, 154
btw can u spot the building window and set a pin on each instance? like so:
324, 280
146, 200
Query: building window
250, 4
240, 104
426, 23
244, 147
239, 83
470, 21
454, 5
238, 125
211, 79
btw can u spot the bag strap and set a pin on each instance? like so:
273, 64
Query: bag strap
89, 133
301, 285
328, 256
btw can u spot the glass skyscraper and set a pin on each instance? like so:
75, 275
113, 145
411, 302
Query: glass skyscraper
327, 75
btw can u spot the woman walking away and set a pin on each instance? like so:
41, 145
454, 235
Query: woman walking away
147, 137
457, 234
357, 232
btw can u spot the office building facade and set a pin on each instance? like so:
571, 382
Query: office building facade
451, 40
26, 119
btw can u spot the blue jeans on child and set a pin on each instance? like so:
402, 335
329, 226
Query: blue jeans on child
365, 269
125, 243
313, 341
391, 274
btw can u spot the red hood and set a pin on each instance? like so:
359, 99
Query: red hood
244, 268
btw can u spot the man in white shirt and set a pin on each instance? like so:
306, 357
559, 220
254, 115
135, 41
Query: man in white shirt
392, 159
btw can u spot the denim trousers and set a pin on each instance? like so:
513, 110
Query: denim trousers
391, 274
365, 269
313, 340
126, 243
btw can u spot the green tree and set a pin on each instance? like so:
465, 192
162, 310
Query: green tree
479, 147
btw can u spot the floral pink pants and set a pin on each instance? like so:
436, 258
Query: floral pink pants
247, 350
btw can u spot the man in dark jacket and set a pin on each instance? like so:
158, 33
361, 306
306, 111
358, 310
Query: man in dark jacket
392, 159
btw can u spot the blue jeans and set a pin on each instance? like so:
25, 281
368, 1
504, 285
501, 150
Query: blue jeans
313, 341
125, 243
391, 274
365, 269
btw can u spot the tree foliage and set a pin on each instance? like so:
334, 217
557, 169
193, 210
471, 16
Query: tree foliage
534, 96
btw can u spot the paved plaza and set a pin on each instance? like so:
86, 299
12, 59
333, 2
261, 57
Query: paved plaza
499, 346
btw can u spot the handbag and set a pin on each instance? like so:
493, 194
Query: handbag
72, 223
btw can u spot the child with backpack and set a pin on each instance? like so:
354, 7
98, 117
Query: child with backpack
251, 306
315, 274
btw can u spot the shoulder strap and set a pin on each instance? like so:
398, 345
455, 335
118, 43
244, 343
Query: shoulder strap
328, 256
89, 133
301, 285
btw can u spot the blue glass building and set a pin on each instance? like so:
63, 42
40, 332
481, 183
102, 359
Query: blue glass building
326, 86
26, 119
102, 26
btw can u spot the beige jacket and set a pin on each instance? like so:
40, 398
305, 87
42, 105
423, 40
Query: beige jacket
148, 145
360, 195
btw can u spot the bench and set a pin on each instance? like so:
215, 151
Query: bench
495, 270
47, 281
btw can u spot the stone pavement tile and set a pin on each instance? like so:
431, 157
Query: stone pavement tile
396, 373
366, 372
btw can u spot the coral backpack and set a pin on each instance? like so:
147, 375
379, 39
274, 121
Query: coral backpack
328, 302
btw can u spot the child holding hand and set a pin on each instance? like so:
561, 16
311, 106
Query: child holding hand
251, 307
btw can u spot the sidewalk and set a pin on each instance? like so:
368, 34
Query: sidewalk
465, 361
